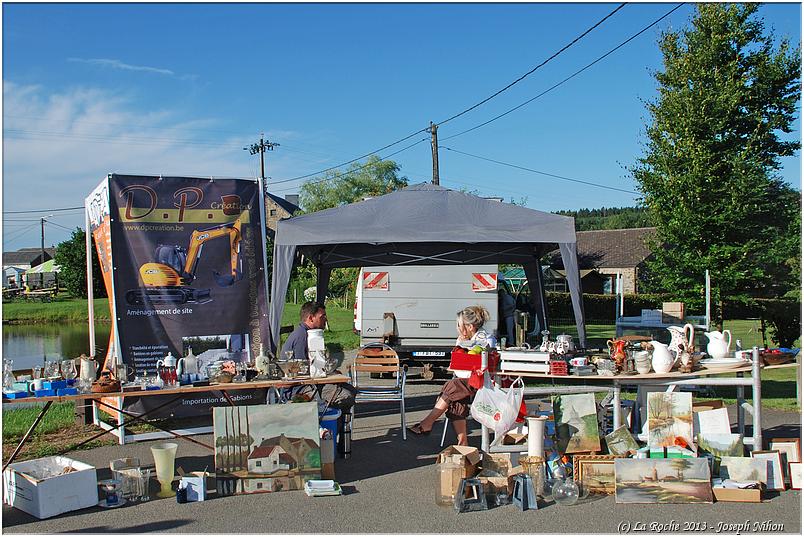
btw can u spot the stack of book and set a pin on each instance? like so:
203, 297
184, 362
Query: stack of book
322, 487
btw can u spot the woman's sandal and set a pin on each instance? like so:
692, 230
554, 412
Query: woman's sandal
417, 430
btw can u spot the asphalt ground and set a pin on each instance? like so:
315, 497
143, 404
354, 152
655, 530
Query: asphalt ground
389, 487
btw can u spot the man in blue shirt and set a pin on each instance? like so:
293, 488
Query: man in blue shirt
312, 316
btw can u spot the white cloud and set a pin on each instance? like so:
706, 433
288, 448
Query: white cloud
117, 64
59, 145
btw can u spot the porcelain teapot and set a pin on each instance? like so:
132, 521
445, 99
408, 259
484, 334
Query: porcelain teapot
718, 346
88, 368
679, 338
169, 361
188, 365
662, 360
566, 343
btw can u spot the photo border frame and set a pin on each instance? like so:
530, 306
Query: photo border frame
577, 472
778, 459
790, 473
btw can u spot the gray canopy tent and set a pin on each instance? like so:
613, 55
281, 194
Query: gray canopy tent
425, 225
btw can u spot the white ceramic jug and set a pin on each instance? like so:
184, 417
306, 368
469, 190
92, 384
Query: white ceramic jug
662, 361
88, 369
169, 361
566, 343
718, 346
188, 365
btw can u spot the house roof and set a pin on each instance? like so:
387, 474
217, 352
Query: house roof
610, 248
285, 204
262, 452
25, 256
615, 248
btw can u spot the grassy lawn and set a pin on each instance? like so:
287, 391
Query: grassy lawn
59, 309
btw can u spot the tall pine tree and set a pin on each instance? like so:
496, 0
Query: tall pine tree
709, 173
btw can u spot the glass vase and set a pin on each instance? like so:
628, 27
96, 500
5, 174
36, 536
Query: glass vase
165, 458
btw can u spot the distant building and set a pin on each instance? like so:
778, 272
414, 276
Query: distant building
277, 209
602, 254
15, 263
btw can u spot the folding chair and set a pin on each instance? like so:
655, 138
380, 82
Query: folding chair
379, 358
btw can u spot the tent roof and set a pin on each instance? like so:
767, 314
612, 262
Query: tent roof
47, 266
425, 213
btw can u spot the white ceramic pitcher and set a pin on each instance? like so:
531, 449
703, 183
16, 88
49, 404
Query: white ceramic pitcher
679, 337
188, 365
662, 361
718, 346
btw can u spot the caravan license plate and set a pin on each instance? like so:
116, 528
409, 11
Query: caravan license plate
428, 353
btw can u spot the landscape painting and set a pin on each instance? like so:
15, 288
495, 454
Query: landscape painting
721, 445
266, 448
595, 472
670, 419
662, 481
576, 423
744, 469
621, 442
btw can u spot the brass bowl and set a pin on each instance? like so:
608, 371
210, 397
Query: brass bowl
223, 377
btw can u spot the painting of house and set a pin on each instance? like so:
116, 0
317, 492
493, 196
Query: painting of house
266, 448
662, 481
576, 423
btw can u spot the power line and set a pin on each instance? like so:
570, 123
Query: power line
59, 225
408, 137
339, 175
426, 129
573, 75
542, 173
521, 78
45, 210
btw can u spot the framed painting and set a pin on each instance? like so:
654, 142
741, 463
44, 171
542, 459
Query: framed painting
669, 419
794, 471
595, 472
266, 448
743, 469
721, 445
789, 449
621, 442
576, 423
662, 481
774, 466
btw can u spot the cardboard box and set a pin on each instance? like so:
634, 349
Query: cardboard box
700, 406
196, 484
467, 456
722, 494
672, 312
50, 496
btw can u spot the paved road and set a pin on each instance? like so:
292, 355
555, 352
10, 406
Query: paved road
389, 487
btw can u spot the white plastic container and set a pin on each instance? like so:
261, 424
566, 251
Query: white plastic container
51, 496
315, 339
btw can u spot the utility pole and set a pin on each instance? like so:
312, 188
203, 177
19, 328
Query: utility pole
42, 253
261, 148
434, 144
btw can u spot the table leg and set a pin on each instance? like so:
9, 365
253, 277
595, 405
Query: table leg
756, 377
128, 422
141, 417
615, 403
121, 430
740, 409
28, 434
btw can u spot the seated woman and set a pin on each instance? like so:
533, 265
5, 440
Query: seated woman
456, 395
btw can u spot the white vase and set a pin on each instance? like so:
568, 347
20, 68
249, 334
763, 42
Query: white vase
536, 436
165, 459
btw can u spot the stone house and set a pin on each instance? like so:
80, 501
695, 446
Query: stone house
602, 254
277, 209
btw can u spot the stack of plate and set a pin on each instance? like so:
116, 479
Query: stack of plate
710, 363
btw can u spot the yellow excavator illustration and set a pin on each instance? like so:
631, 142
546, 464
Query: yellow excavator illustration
167, 279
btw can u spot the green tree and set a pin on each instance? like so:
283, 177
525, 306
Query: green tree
373, 178
72, 258
709, 173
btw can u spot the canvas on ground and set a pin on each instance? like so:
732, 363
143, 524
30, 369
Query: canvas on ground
576, 423
266, 448
670, 419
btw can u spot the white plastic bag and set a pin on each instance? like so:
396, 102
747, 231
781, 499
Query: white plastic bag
497, 409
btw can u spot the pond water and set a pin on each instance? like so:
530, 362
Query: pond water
29, 344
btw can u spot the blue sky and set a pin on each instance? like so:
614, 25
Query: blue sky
180, 89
